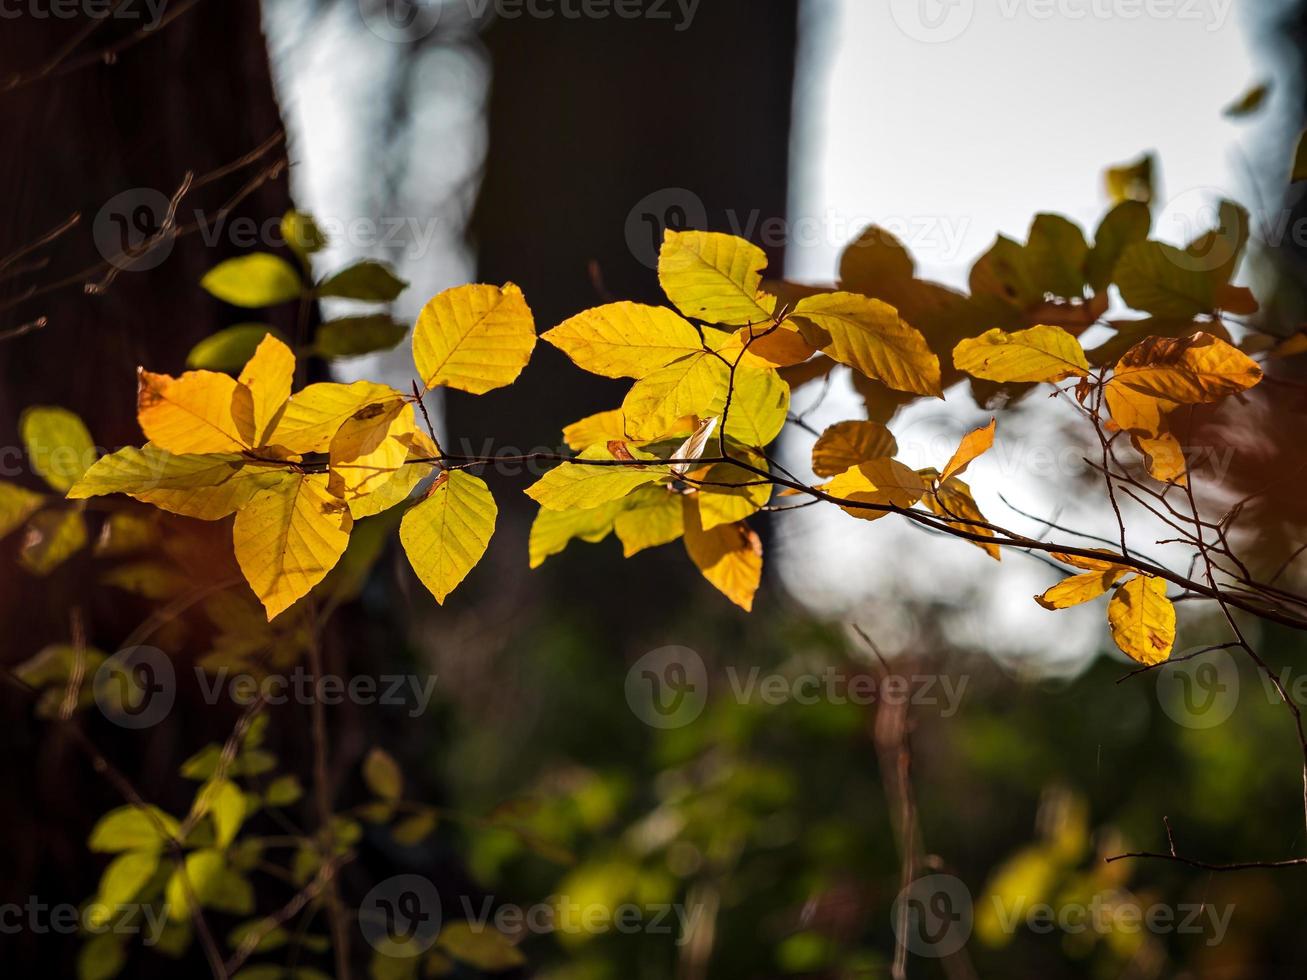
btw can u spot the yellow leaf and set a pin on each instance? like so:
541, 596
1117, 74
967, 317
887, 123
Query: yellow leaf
447, 533
1090, 564
207, 487
714, 277
268, 376
1142, 619
784, 346
289, 537
846, 444
581, 485
58, 445
1079, 589
595, 429
401, 484
193, 413
694, 385
553, 530
260, 279
975, 443
51, 538
1162, 373
650, 517
759, 406
953, 501
16, 505
474, 338
870, 336
625, 340
314, 415
728, 556
1164, 458
371, 445
382, 775
745, 496
483, 946
1040, 353
884, 482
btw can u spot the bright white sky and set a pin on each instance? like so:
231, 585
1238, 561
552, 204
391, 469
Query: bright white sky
948, 129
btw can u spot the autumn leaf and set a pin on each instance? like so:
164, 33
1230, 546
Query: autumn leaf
625, 340
870, 336
580, 485
474, 338
759, 405
1040, 353
714, 277
953, 500
267, 376
693, 385
314, 415
288, 537
1142, 620
370, 447
1162, 373
883, 482
192, 413
1164, 458
648, 518
553, 530
975, 443
1078, 589
846, 444
446, 534
728, 556
728, 494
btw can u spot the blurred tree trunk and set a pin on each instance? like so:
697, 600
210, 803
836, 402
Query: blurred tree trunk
601, 131
191, 95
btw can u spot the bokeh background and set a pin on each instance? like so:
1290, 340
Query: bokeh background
462, 142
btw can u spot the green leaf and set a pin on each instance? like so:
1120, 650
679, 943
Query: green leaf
1126, 224
51, 538
252, 281
1165, 281
483, 947
16, 506
283, 791
367, 280
225, 803
58, 445
572, 486
121, 882
553, 530
102, 958
130, 828
381, 773
229, 349
302, 234
354, 335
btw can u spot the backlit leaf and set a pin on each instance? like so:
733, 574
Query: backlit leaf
256, 280
193, 413
229, 349
208, 486
883, 482
650, 517
713, 277
846, 444
371, 445
289, 537
1142, 620
51, 538
553, 530
268, 377
625, 340
16, 505
129, 828
446, 534
953, 501
739, 493
579, 485
694, 385
729, 556
1040, 353
474, 338
759, 405
1079, 589
58, 445
872, 338
313, 415
975, 443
